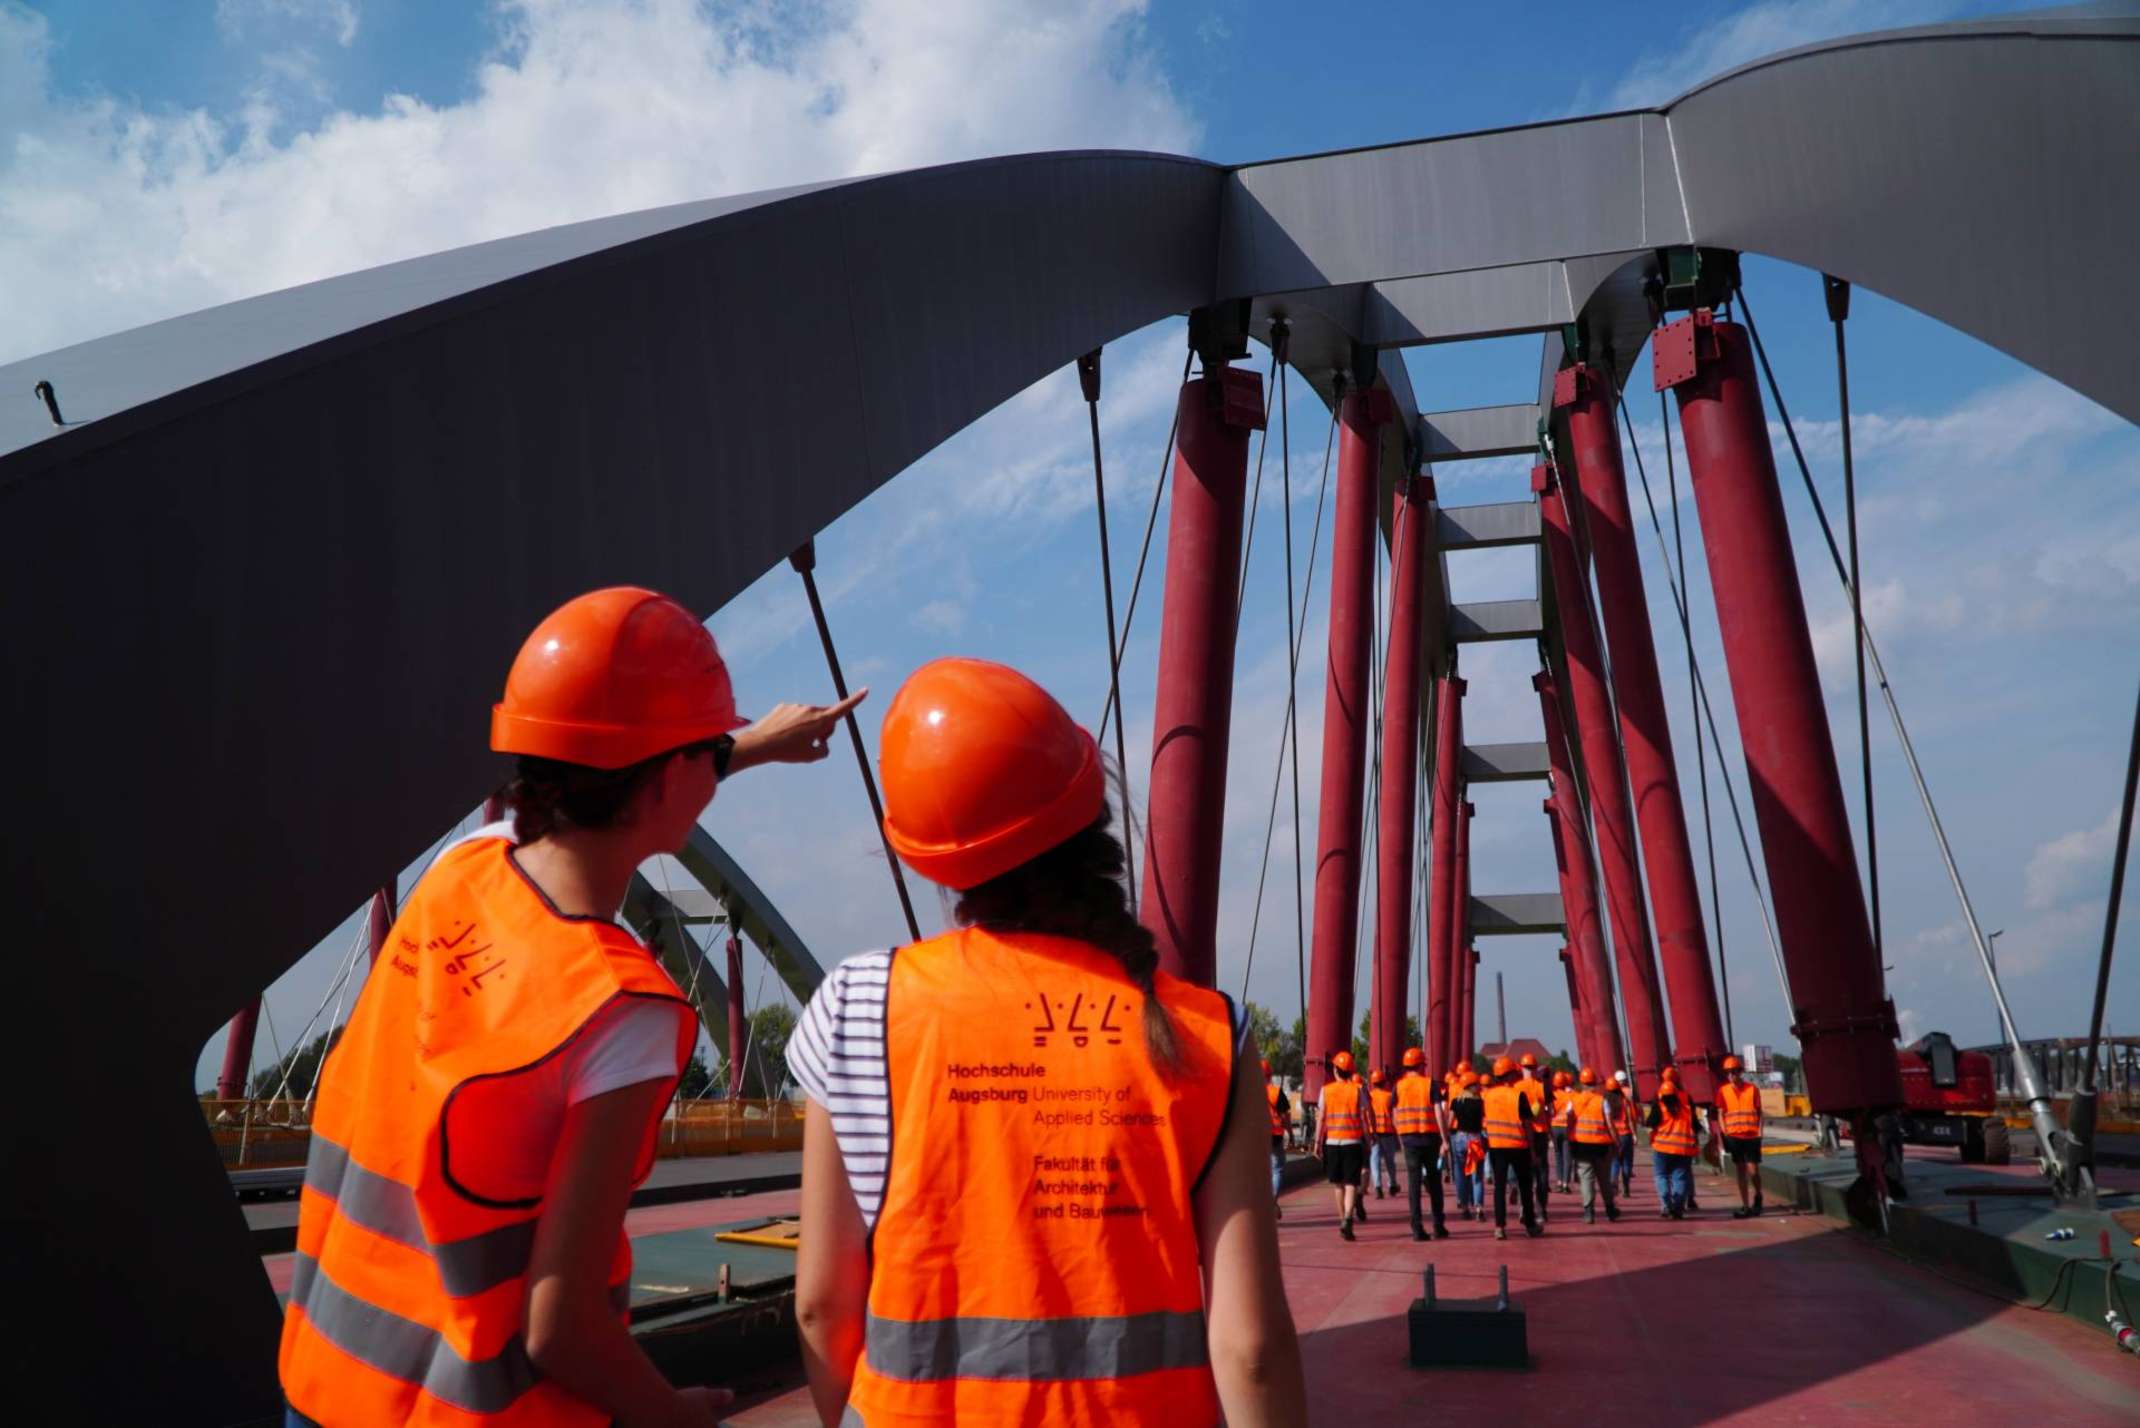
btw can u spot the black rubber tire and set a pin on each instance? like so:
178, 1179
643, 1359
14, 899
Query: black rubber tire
1972, 1141
1998, 1146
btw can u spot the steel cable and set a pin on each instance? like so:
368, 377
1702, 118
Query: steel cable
1088, 369
1136, 584
1838, 293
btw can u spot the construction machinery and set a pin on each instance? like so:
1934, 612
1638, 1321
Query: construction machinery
1949, 1098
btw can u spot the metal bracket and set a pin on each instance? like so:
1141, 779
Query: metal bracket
1088, 375
1568, 385
1219, 333
1696, 277
1810, 1026
1677, 349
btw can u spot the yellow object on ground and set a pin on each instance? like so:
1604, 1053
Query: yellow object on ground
775, 1234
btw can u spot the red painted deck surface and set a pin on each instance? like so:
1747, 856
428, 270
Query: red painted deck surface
1785, 1319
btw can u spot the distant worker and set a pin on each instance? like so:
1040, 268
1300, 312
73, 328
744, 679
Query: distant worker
1587, 1124
1382, 1150
1359, 1203
1280, 1108
1563, 1092
1673, 1144
1738, 1104
496, 1093
1339, 1130
971, 1253
1508, 1146
1620, 1107
1540, 1098
1467, 1144
1422, 1118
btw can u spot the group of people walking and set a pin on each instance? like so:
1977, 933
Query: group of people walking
1524, 1132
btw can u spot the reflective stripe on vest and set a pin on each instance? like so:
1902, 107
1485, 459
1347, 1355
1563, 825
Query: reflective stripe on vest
1675, 1133
1591, 1124
1505, 1129
1415, 1106
1380, 1112
1740, 1107
1271, 1094
1036, 1259
430, 1153
1341, 1112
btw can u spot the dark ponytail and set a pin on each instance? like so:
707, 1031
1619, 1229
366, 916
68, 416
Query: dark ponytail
546, 795
1076, 890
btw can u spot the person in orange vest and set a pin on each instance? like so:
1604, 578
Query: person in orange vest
1509, 1114
1563, 1092
1280, 1108
1674, 1141
1340, 1137
1619, 1107
496, 1092
1586, 1120
1383, 1150
1467, 1143
1034, 1164
1540, 1097
1738, 1104
1422, 1120
1359, 1202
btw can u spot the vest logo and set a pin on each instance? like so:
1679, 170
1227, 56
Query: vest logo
462, 959
1045, 1024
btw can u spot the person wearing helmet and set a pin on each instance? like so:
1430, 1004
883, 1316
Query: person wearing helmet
1340, 1132
1422, 1119
497, 1090
1281, 1109
1738, 1105
1563, 1092
1539, 1127
1467, 1145
1509, 1113
1587, 1122
1034, 1163
1620, 1107
1674, 1141
1382, 1150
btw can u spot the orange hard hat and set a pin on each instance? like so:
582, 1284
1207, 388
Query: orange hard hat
1379, 1078
982, 771
613, 678
1588, 1076
1502, 1066
1266, 1068
1668, 1074
1413, 1056
1731, 1063
1529, 1061
1342, 1063
1562, 1078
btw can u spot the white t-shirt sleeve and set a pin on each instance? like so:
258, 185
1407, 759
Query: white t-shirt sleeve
631, 1041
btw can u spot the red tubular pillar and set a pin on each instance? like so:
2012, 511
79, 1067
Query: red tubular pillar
1576, 1011
1844, 1019
1645, 734
1595, 726
1468, 1040
1578, 885
1465, 955
1185, 817
238, 1053
379, 920
1345, 723
1443, 980
738, 1024
1400, 772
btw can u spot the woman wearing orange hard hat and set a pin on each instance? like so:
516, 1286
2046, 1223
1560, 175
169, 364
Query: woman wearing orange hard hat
1029, 1152
494, 1097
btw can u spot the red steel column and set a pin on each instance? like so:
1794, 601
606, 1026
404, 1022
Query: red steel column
1578, 886
1845, 1020
738, 1023
1400, 771
1443, 988
1595, 726
1345, 722
238, 1053
1460, 1011
1645, 734
1584, 992
379, 920
1576, 1011
1185, 818
1469, 1041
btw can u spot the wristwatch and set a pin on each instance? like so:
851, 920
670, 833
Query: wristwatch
724, 749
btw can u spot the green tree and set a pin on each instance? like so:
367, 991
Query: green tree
1360, 1042
1560, 1061
301, 1066
1791, 1068
766, 1068
1280, 1048
698, 1079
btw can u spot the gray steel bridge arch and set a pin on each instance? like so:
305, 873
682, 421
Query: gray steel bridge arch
287, 543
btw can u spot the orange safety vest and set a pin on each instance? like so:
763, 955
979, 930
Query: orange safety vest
1380, 1112
1341, 1112
1620, 1116
429, 1156
1589, 1123
1035, 1260
1675, 1132
1415, 1106
1541, 1101
1740, 1109
1271, 1093
1505, 1129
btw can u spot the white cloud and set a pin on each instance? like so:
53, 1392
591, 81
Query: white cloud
2071, 864
941, 617
113, 214
1762, 29
237, 18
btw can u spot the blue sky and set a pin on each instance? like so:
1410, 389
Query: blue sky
158, 158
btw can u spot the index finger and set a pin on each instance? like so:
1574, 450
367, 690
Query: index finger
846, 706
